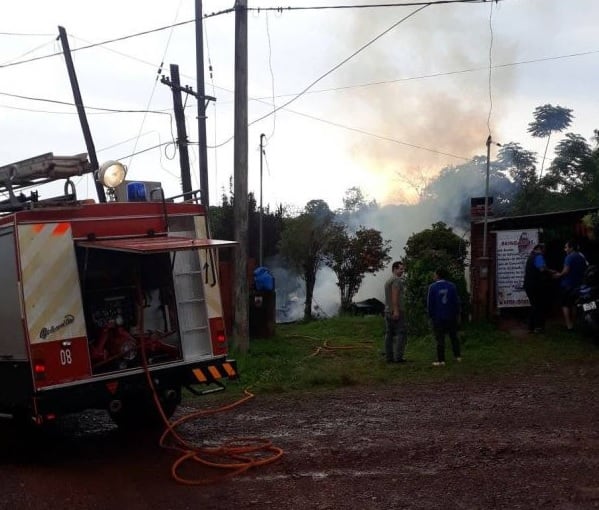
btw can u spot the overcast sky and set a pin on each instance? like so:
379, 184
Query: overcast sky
420, 97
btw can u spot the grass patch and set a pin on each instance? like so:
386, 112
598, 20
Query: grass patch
347, 351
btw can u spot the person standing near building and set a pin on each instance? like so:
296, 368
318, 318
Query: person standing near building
443, 305
570, 277
396, 336
537, 288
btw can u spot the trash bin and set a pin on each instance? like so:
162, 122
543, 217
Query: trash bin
263, 301
262, 313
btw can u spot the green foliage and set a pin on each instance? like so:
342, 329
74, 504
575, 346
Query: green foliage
222, 225
426, 251
353, 256
346, 351
549, 118
304, 242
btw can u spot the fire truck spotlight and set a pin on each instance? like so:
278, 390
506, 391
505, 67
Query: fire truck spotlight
112, 173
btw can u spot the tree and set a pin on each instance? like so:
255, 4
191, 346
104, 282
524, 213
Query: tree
304, 241
451, 191
222, 226
425, 251
353, 256
520, 164
549, 118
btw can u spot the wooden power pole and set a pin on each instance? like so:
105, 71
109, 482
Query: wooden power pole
89, 142
202, 147
175, 84
240, 177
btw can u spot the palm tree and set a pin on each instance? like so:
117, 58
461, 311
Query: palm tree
549, 118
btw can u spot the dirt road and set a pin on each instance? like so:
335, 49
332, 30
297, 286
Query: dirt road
528, 441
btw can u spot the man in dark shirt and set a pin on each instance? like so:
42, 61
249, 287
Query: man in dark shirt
537, 288
396, 335
443, 306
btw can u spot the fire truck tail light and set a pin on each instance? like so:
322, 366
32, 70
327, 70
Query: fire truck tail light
39, 369
218, 336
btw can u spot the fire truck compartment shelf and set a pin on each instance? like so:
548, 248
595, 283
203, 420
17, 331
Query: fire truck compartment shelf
146, 245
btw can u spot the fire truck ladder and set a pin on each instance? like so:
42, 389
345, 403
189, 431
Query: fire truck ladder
193, 316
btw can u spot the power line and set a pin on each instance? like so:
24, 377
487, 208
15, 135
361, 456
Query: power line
117, 39
367, 6
26, 34
490, 70
439, 74
380, 137
66, 103
334, 68
227, 11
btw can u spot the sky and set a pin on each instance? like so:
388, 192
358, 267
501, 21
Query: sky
381, 98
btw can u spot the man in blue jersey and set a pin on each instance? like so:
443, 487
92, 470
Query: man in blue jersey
443, 306
570, 277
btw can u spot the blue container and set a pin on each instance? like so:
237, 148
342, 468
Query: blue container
263, 279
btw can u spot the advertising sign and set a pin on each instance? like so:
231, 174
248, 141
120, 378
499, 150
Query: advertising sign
513, 248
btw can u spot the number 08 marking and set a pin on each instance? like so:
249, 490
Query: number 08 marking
65, 357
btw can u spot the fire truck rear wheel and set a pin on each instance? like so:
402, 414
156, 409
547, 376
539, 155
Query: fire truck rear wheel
141, 411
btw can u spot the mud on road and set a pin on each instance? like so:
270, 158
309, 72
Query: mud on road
524, 441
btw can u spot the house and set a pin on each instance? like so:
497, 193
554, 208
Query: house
496, 276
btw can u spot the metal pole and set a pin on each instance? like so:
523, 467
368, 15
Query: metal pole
89, 142
202, 146
486, 197
262, 136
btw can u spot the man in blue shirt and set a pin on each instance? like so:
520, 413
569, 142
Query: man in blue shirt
443, 306
570, 277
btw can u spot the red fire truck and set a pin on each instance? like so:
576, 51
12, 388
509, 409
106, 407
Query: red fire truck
105, 305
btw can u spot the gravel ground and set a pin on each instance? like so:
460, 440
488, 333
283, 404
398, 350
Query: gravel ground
527, 441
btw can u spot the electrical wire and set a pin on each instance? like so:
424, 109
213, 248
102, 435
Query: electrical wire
214, 106
67, 103
365, 6
272, 79
47, 43
490, 69
333, 69
118, 39
158, 74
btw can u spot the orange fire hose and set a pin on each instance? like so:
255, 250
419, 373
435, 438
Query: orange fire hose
236, 455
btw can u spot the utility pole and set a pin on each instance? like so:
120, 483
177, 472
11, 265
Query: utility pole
175, 85
89, 142
240, 176
486, 196
202, 146
260, 236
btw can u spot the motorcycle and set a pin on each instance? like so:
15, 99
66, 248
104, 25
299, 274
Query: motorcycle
587, 303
